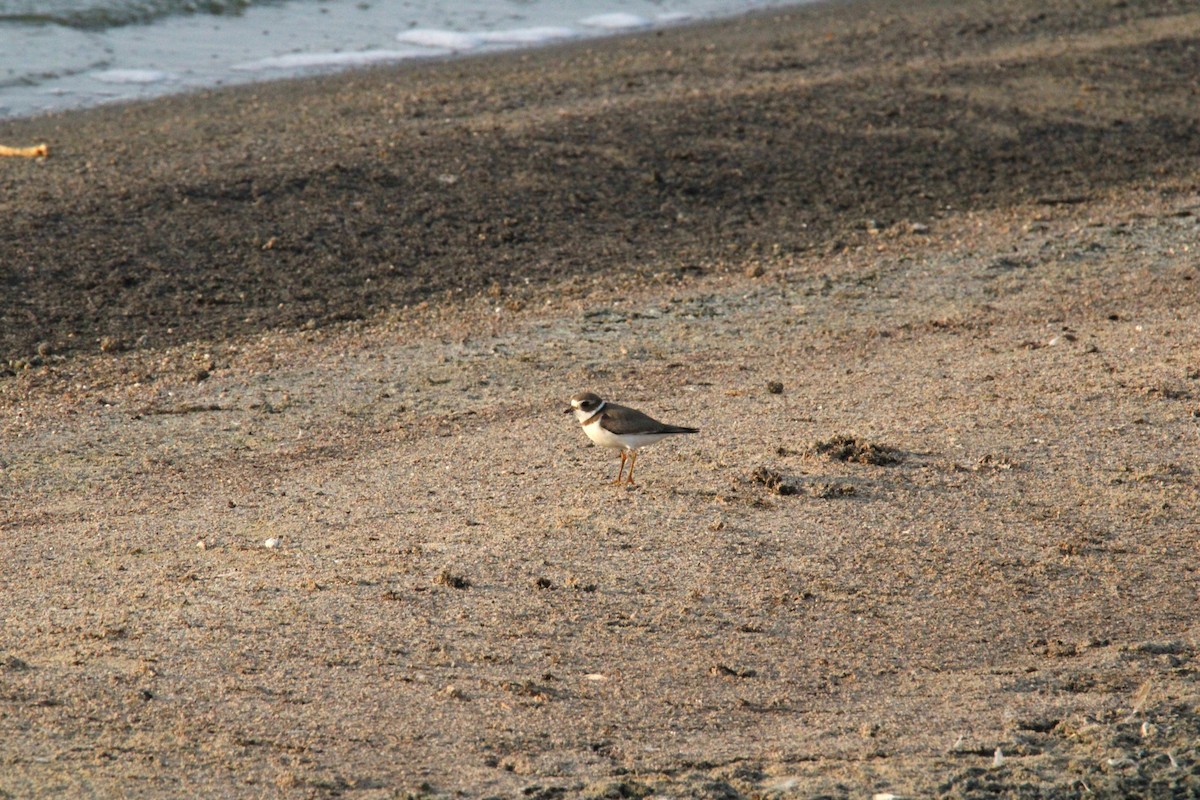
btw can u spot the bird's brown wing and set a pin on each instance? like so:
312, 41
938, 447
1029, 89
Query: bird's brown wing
623, 421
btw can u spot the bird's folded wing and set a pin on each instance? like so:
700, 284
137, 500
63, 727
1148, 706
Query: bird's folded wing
624, 421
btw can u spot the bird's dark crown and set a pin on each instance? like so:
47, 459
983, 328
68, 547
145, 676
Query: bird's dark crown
586, 401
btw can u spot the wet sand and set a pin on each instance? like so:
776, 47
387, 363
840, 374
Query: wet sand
345, 314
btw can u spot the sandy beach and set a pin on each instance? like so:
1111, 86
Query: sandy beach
926, 278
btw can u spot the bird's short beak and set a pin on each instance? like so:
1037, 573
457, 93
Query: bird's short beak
568, 411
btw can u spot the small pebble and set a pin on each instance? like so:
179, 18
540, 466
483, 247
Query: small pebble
450, 691
775, 387
271, 543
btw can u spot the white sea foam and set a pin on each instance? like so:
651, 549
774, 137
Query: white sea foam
453, 41
616, 21
301, 61
459, 41
529, 36
133, 76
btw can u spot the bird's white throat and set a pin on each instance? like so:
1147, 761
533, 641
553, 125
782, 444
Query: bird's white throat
584, 416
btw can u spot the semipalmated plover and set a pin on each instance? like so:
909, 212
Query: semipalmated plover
627, 429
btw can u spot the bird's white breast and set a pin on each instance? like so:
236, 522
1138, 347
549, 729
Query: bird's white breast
626, 441
600, 436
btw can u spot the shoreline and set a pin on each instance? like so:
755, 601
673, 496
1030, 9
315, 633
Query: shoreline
127, 59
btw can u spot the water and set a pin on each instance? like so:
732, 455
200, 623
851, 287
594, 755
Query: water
60, 54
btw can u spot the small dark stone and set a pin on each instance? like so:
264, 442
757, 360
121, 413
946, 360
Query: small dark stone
447, 578
848, 448
772, 480
13, 663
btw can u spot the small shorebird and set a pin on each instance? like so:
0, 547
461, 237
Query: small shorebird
610, 425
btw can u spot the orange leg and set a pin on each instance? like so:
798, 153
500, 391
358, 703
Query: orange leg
622, 469
632, 460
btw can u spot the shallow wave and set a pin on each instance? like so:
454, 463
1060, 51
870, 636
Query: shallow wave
89, 15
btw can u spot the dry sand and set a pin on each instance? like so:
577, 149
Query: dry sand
927, 280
